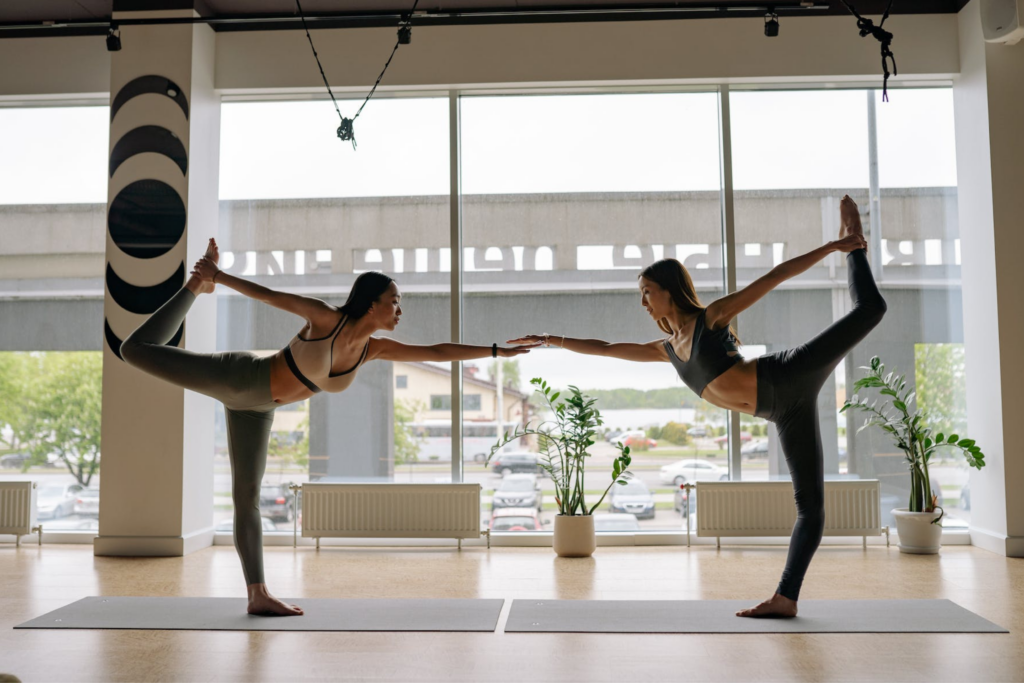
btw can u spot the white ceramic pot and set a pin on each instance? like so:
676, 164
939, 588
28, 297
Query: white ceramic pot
574, 536
917, 534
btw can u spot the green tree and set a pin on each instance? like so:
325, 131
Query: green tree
941, 384
63, 410
510, 370
13, 375
407, 443
288, 450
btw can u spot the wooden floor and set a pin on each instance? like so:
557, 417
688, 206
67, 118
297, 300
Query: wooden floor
36, 580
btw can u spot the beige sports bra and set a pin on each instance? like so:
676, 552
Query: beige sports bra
310, 360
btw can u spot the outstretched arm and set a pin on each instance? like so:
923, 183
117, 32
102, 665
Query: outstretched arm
651, 352
722, 311
317, 312
382, 348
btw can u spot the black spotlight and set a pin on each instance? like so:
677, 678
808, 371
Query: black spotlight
405, 35
771, 24
113, 39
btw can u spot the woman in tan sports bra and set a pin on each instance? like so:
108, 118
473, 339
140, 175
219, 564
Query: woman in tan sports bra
325, 355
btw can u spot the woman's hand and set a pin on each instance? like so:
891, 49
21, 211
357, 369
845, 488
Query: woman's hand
531, 339
850, 243
205, 269
520, 348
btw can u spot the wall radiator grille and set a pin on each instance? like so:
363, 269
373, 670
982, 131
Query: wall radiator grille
391, 510
17, 508
753, 508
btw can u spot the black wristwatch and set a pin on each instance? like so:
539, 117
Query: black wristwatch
494, 350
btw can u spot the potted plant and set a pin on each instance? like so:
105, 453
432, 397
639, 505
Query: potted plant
918, 524
564, 441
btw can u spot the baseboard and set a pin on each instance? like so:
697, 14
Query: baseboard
1001, 544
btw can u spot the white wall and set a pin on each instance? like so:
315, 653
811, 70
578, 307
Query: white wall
650, 51
989, 110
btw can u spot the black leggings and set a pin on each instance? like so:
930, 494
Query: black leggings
788, 383
238, 379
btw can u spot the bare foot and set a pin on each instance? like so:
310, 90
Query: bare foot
777, 607
850, 217
212, 252
204, 284
262, 603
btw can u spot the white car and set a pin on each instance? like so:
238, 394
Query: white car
683, 471
57, 500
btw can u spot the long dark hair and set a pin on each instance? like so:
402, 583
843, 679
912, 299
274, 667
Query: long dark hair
671, 275
366, 290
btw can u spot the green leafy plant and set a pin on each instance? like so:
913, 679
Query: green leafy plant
906, 426
564, 441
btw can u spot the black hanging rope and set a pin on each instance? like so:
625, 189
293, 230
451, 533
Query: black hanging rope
346, 130
867, 27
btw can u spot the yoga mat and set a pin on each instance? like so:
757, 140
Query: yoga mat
719, 616
228, 614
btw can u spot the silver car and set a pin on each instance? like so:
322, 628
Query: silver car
87, 503
57, 500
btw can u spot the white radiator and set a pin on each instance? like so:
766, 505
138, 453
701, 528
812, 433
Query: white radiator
18, 510
756, 508
391, 511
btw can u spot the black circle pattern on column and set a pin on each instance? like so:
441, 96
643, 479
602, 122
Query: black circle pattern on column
144, 85
147, 218
155, 139
114, 342
143, 300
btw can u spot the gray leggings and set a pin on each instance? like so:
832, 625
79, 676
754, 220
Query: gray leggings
239, 380
788, 383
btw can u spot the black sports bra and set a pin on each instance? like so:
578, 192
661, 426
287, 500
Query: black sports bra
709, 355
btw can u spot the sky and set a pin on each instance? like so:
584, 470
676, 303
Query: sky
514, 144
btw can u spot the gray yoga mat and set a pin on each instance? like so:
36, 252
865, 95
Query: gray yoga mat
228, 614
718, 616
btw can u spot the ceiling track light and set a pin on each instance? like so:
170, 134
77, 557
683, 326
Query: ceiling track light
113, 38
771, 23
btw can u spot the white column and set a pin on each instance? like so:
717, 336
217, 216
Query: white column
989, 112
157, 439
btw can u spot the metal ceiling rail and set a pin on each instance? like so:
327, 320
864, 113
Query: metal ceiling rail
432, 18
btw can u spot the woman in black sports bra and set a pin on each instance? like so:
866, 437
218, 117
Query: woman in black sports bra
781, 387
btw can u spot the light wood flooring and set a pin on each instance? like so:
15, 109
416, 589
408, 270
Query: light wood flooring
36, 580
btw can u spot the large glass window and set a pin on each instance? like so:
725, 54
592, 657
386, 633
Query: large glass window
790, 171
561, 212
305, 212
53, 189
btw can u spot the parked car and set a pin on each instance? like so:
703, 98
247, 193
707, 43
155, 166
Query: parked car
87, 502
636, 439
518, 491
512, 463
611, 436
697, 432
755, 449
691, 470
965, 496
633, 498
276, 502
679, 497
723, 440
57, 500
515, 519
229, 525
615, 521
14, 461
